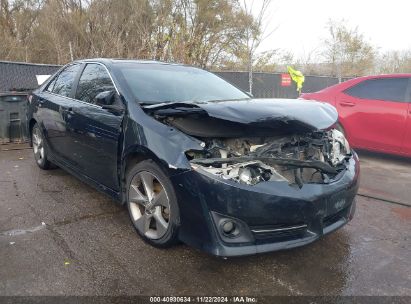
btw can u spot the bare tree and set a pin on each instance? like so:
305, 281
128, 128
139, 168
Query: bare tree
347, 51
255, 32
394, 62
199, 32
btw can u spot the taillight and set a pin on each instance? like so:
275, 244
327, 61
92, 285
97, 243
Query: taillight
29, 98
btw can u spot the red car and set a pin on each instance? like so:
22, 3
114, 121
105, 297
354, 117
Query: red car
374, 111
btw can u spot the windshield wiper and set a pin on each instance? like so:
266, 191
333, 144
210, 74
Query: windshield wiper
165, 104
155, 104
222, 100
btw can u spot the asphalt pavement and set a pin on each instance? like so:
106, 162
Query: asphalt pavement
59, 236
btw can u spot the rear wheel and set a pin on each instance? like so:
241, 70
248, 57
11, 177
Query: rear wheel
152, 204
39, 149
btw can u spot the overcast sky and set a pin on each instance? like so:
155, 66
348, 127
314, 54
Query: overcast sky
301, 23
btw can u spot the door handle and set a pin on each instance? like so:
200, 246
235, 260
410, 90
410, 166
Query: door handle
68, 110
347, 104
41, 102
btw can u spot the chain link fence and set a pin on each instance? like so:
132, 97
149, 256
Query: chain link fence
19, 76
22, 77
268, 85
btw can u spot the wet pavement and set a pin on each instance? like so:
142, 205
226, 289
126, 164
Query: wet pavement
59, 236
386, 177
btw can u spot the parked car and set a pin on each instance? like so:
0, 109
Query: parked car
194, 158
374, 111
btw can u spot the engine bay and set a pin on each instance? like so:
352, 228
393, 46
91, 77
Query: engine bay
315, 157
250, 142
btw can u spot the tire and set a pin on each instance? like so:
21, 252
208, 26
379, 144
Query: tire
39, 149
152, 204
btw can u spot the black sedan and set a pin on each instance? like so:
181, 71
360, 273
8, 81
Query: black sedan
194, 158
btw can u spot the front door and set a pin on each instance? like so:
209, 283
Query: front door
95, 132
406, 145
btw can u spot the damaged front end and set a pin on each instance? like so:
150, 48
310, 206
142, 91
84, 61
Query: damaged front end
316, 157
256, 141
266, 174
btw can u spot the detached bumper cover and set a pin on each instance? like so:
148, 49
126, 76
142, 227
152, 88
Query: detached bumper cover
278, 216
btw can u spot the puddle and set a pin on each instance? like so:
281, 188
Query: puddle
16, 232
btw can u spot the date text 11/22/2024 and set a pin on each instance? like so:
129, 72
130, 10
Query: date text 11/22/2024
203, 299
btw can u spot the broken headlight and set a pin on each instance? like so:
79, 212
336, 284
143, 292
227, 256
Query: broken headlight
340, 147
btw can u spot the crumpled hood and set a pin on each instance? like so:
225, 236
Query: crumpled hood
263, 112
317, 115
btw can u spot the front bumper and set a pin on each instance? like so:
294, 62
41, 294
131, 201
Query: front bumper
276, 215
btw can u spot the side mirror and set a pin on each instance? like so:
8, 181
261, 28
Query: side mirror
105, 98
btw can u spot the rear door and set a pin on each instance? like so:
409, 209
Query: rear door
53, 108
94, 131
374, 113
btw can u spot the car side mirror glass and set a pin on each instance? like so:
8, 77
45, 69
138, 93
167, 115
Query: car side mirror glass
105, 98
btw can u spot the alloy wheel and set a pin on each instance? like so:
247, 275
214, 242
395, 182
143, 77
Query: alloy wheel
149, 205
38, 146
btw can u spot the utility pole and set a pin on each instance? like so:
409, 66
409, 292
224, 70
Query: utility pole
340, 60
71, 51
250, 71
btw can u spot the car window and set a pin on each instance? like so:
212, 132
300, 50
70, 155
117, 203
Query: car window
65, 80
94, 80
157, 83
50, 86
390, 89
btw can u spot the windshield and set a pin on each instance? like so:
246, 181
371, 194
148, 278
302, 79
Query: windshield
158, 83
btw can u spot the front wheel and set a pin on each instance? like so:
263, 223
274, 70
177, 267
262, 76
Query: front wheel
40, 154
152, 204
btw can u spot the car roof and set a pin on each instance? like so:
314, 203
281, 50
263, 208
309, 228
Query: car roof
353, 81
113, 61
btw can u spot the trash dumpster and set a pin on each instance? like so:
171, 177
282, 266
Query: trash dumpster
13, 120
